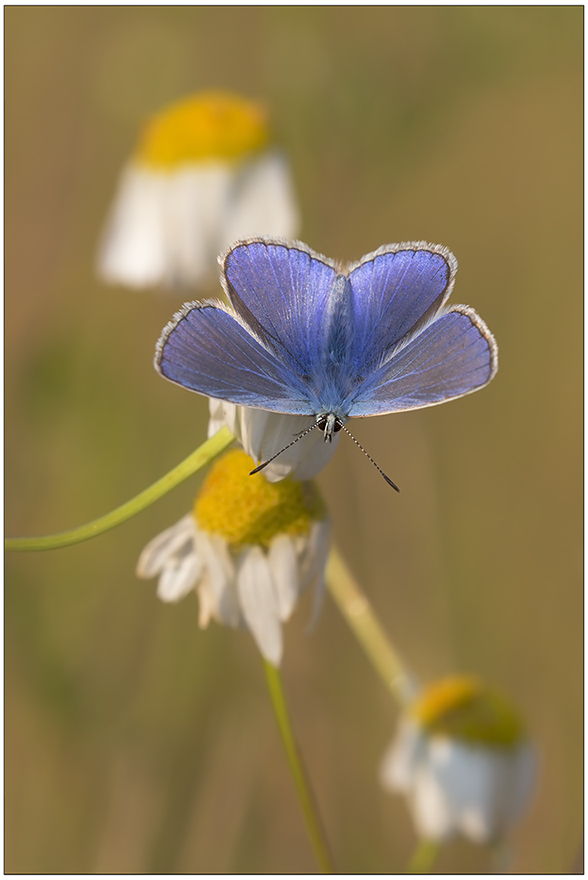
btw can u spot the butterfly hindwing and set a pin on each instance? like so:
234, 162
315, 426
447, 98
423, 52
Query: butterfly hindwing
452, 356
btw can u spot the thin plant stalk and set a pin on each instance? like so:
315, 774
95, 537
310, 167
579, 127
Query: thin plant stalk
358, 613
299, 775
424, 857
195, 461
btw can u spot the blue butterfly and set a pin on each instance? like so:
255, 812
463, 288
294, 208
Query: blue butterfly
307, 336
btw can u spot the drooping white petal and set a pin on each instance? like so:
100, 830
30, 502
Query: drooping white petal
406, 768
221, 414
283, 565
263, 434
196, 204
465, 776
302, 461
178, 538
402, 757
261, 201
179, 576
480, 784
133, 247
221, 577
432, 814
206, 601
259, 603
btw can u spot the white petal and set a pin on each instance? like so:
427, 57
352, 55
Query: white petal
402, 757
206, 602
499, 784
464, 780
284, 569
178, 578
250, 425
259, 603
264, 434
311, 454
220, 576
178, 539
262, 201
221, 414
406, 768
133, 247
197, 198
479, 783
432, 814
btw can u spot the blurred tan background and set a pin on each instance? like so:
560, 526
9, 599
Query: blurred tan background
136, 742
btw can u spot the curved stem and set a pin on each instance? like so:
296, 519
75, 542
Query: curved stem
301, 781
181, 472
358, 613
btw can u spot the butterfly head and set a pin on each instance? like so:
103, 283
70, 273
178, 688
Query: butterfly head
329, 424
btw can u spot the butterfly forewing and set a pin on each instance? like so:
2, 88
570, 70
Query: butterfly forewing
284, 294
395, 292
207, 350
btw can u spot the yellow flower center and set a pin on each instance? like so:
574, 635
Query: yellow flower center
464, 708
249, 510
210, 125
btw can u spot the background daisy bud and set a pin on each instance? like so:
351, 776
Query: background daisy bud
202, 175
263, 434
462, 760
249, 549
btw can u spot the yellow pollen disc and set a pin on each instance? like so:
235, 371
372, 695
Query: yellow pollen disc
462, 707
210, 125
249, 510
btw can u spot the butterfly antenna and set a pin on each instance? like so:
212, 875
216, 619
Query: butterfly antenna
302, 434
379, 469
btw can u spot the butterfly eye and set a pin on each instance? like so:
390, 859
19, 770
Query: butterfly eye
329, 423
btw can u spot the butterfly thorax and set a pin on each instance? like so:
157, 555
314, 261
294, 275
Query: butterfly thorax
333, 382
337, 335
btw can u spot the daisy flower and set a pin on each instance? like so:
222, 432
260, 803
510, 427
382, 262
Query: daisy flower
203, 174
462, 760
249, 549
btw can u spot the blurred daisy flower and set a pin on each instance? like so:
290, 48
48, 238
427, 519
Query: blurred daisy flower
249, 549
263, 434
203, 175
462, 760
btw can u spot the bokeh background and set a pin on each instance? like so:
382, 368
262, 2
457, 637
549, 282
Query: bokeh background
136, 742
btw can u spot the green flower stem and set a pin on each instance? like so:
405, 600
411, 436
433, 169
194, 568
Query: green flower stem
424, 857
197, 460
307, 802
358, 613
